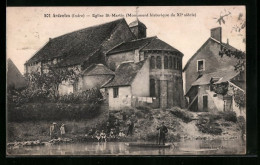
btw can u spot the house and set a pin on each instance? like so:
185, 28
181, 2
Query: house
212, 91
207, 69
105, 54
130, 80
207, 59
14, 77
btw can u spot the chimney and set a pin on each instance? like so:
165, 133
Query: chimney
227, 41
216, 33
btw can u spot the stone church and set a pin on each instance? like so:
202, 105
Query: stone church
130, 68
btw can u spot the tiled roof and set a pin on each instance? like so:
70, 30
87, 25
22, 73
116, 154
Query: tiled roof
97, 69
222, 76
125, 74
151, 43
158, 44
76, 46
131, 45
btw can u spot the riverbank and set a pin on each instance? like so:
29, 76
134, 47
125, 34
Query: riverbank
182, 125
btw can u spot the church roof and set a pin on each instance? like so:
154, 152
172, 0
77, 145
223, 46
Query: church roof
136, 23
158, 44
150, 43
125, 74
97, 69
131, 45
76, 46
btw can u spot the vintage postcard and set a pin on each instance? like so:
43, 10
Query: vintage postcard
160, 80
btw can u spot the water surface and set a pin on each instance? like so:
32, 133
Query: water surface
196, 147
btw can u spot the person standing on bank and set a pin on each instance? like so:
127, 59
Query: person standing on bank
162, 132
62, 130
130, 127
53, 131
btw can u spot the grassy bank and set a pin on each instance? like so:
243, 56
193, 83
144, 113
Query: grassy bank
181, 124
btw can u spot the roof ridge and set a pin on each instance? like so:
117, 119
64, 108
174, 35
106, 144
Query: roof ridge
94, 26
142, 39
149, 43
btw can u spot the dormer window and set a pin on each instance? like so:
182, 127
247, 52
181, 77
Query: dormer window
200, 65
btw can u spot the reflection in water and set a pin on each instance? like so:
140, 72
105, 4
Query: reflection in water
119, 148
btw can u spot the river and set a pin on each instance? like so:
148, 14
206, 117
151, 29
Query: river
195, 147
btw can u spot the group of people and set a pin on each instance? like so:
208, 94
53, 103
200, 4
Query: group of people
55, 132
112, 131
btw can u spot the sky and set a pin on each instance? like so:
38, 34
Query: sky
28, 30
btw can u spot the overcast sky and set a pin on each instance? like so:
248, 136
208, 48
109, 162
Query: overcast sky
28, 30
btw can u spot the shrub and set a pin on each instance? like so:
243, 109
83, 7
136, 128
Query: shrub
207, 124
210, 128
143, 108
242, 124
185, 116
139, 114
240, 98
30, 95
52, 112
229, 116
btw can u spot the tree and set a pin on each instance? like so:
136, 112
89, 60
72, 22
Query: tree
238, 28
49, 81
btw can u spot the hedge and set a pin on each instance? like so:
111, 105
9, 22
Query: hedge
51, 111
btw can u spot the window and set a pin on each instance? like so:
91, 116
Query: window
165, 62
115, 92
200, 65
152, 87
170, 62
158, 62
152, 62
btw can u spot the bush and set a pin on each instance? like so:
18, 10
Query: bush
207, 124
184, 115
52, 112
139, 114
42, 96
228, 116
143, 108
242, 124
209, 128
